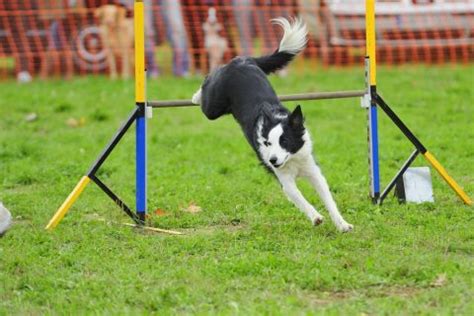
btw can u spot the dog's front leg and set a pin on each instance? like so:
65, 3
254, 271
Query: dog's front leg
124, 52
320, 184
112, 64
109, 47
288, 184
125, 62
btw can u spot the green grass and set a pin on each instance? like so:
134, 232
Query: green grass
249, 251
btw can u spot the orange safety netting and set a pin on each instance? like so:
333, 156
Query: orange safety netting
63, 37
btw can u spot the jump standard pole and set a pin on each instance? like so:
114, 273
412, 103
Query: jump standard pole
140, 101
372, 126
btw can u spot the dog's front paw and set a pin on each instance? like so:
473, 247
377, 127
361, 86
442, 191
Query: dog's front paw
318, 220
345, 227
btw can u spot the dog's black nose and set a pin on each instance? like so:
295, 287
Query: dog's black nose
273, 160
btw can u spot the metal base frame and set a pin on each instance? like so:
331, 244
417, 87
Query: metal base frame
420, 149
91, 175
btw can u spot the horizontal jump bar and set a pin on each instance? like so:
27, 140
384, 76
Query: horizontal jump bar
289, 97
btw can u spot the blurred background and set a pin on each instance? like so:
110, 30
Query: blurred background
65, 38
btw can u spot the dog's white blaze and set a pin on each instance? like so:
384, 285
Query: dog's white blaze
270, 148
294, 37
276, 151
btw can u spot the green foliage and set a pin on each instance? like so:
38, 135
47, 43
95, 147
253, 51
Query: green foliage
249, 251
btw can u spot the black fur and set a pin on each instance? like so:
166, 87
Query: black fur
241, 88
293, 131
276, 61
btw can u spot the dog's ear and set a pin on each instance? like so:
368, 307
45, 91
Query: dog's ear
296, 118
267, 113
98, 12
120, 15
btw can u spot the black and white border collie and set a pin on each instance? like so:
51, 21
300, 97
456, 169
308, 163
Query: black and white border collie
278, 136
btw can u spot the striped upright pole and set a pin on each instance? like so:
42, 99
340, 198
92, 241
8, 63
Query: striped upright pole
372, 127
140, 89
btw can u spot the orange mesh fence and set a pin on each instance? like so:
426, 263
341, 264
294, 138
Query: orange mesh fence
66, 37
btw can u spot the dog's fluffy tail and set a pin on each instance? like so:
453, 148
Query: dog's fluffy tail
292, 43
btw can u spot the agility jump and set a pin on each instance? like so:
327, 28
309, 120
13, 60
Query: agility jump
371, 100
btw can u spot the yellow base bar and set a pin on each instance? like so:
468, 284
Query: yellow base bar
443, 173
68, 203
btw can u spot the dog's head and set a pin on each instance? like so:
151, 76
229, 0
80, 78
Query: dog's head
110, 15
280, 136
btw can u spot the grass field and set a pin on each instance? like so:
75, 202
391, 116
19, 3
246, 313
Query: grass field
249, 251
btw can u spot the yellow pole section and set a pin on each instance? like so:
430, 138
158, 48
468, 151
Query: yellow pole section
443, 173
139, 51
68, 202
370, 38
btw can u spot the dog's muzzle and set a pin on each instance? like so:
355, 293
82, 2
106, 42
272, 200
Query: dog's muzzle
274, 162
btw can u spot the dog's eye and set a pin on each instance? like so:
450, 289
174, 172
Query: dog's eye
267, 143
283, 141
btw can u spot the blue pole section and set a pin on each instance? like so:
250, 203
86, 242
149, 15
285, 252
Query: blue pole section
140, 92
374, 152
141, 164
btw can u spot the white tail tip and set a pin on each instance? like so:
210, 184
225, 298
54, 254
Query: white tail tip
294, 35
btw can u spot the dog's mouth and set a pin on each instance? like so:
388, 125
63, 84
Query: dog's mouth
278, 165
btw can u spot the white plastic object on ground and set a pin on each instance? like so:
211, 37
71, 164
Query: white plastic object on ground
5, 219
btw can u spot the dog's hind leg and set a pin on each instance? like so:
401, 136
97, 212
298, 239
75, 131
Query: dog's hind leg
212, 107
213, 95
125, 40
125, 51
112, 64
320, 184
294, 195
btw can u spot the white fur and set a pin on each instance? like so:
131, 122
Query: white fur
280, 116
300, 164
196, 99
270, 148
294, 35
